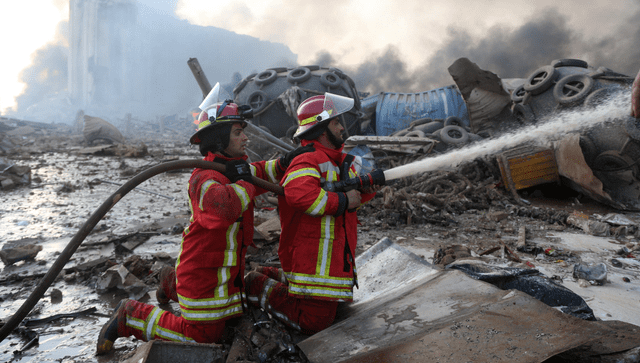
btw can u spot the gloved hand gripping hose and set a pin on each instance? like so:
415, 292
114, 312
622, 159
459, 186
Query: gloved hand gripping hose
88, 226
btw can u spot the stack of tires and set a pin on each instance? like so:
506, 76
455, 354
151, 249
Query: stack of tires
565, 83
451, 132
611, 149
262, 92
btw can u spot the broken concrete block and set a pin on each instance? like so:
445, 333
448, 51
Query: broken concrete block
596, 272
56, 296
119, 277
7, 184
12, 255
497, 216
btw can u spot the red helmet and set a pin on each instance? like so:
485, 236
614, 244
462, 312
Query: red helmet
318, 110
228, 113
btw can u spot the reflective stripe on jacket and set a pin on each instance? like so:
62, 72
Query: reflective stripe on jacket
319, 237
211, 259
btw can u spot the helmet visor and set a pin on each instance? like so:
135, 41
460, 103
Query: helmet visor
335, 105
210, 102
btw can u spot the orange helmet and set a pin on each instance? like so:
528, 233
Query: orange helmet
318, 110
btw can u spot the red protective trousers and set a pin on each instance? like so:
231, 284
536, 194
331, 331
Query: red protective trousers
268, 288
147, 322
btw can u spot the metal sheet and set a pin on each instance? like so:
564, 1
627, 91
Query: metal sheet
446, 316
395, 111
572, 165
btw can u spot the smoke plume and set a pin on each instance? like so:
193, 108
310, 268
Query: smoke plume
508, 52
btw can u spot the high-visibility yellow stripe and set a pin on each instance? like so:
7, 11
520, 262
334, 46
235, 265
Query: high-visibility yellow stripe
320, 291
325, 247
301, 172
271, 170
203, 191
241, 192
135, 323
318, 206
230, 258
201, 315
167, 334
213, 302
299, 278
307, 120
152, 322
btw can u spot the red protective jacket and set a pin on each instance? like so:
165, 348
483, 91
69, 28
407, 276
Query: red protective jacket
319, 236
210, 266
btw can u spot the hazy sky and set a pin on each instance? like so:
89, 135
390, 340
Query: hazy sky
352, 30
414, 34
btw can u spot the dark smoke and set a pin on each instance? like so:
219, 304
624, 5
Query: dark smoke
46, 78
510, 53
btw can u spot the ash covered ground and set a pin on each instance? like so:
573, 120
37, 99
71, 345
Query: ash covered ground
440, 216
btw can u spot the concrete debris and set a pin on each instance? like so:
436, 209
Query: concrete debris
56, 296
596, 274
119, 277
12, 175
96, 129
582, 221
9, 255
125, 151
268, 230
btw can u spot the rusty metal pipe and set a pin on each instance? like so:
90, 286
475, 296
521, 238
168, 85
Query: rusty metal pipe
198, 73
88, 226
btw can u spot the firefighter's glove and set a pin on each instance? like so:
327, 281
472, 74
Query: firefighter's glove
237, 170
377, 177
285, 161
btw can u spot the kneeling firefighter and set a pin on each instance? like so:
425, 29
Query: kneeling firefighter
207, 280
319, 224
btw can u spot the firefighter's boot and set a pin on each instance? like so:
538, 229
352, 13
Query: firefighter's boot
109, 332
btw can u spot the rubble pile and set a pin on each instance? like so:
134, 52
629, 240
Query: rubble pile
436, 197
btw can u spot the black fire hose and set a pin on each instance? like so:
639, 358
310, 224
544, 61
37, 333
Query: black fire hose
88, 226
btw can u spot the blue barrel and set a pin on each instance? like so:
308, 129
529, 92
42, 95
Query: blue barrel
395, 111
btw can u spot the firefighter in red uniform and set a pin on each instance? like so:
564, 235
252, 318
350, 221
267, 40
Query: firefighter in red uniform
208, 277
319, 227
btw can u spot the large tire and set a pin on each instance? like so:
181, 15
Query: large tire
330, 80
299, 75
572, 89
523, 114
279, 119
265, 77
454, 135
414, 133
258, 100
243, 83
518, 94
588, 149
612, 160
430, 127
569, 62
453, 120
540, 80
421, 121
